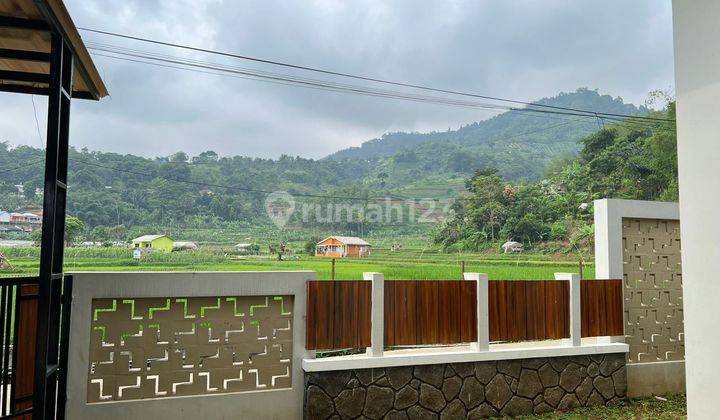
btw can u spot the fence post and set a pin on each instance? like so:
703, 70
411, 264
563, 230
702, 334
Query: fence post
377, 314
575, 312
483, 325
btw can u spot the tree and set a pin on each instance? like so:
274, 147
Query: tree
493, 215
179, 157
382, 178
205, 157
73, 227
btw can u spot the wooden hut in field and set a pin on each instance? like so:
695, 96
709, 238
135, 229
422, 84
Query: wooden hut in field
342, 246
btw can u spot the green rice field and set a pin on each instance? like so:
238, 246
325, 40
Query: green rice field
406, 264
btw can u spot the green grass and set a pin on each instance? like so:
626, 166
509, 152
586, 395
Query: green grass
410, 264
641, 408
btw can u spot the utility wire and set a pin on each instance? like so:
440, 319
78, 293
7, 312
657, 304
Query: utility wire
289, 79
37, 123
27, 165
284, 79
310, 85
364, 78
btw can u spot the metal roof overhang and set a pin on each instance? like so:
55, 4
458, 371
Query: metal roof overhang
25, 34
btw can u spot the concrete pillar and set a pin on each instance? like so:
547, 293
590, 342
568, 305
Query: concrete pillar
697, 83
377, 314
483, 326
575, 313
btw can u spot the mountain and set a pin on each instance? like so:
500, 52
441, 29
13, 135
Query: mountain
108, 189
549, 135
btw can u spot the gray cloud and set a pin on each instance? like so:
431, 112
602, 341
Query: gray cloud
519, 49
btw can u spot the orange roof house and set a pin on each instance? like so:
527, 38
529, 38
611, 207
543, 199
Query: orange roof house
342, 246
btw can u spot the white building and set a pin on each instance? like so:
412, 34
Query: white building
697, 84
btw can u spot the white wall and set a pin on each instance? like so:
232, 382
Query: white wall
608, 229
697, 79
271, 404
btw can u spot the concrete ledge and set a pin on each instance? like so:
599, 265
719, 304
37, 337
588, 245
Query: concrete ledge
415, 357
645, 379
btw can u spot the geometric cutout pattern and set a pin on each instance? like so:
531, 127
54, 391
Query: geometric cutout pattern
169, 347
653, 290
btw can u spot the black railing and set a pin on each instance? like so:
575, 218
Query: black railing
10, 304
19, 308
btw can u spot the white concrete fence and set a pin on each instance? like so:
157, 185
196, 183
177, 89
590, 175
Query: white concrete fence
483, 318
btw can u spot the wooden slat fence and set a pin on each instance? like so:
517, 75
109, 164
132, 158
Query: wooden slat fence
601, 306
520, 310
424, 312
427, 312
338, 314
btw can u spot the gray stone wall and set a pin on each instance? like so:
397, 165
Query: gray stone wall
467, 390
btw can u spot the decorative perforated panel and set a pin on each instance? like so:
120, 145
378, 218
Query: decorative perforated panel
653, 290
164, 347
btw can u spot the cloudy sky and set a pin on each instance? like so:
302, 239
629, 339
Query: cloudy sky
516, 49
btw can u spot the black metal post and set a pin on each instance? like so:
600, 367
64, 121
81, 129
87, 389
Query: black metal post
64, 344
53, 230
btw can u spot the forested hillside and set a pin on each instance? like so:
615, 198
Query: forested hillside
508, 155
626, 160
169, 189
518, 144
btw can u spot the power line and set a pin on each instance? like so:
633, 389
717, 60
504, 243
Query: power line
310, 84
37, 123
279, 78
284, 79
370, 79
27, 165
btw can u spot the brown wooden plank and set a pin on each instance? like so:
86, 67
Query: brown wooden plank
593, 308
535, 313
310, 318
448, 312
389, 314
614, 307
564, 307
515, 316
503, 311
343, 310
364, 314
597, 310
521, 309
468, 311
323, 317
557, 322
553, 325
405, 312
24, 345
602, 308
584, 309
427, 312
493, 312
326, 315
352, 334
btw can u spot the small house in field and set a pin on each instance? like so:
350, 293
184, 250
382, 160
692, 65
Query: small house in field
342, 246
18, 218
153, 242
32, 218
